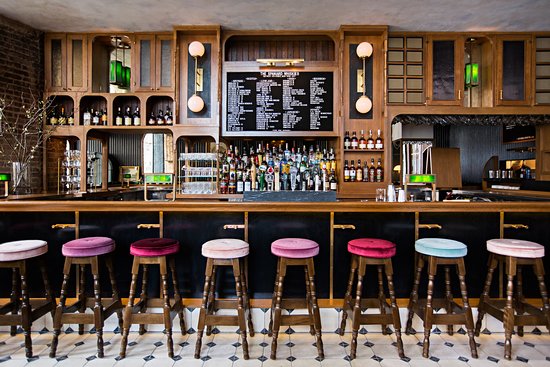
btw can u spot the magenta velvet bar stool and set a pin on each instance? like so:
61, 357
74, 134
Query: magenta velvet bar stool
295, 252
153, 251
514, 310
20, 310
225, 252
82, 252
378, 252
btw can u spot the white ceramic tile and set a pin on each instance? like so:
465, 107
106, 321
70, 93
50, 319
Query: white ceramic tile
359, 362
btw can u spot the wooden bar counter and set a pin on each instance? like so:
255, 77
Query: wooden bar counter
331, 224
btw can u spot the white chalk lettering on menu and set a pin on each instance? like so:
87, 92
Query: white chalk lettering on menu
279, 101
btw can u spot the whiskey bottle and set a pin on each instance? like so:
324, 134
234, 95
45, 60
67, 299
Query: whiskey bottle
347, 141
104, 117
352, 171
333, 181
372, 171
53, 118
379, 171
366, 172
346, 171
118, 118
379, 142
86, 117
136, 119
168, 116
354, 141
362, 141
70, 119
96, 118
152, 119
370, 141
160, 118
127, 116
359, 172
62, 119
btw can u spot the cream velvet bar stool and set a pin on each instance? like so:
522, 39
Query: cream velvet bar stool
225, 252
153, 251
435, 252
20, 310
82, 252
377, 252
514, 311
295, 252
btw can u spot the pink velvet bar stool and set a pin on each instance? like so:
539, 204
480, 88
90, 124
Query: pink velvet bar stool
153, 251
295, 252
377, 252
514, 310
82, 252
225, 252
20, 310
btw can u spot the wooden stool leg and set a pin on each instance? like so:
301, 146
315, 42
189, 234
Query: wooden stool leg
381, 297
166, 308
98, 307
520, 310
47, 287
508, 318
428, 313
448, 297
178, 303
277, 309
316, 313
357, 307
81, 295
347, 298
129, 307
211, 298
538, 268
395, 310
492, 264
240, 306
413, 300
273, 301
466, 306
60, 307
26, 310
202, 314
114, 289
308, 302
14, 297
246, 295
143, 296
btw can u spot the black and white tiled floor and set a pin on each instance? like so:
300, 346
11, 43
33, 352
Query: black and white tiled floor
296, 347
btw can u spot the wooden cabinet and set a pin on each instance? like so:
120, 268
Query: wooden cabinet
445, 55
154, 63
513, 80
65, 62
405, 68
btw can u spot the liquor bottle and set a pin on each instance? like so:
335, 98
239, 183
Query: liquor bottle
372, 171
247, 182
168, 116
379, 171
359, 172
70, 119
86, 117
366, 172
152, 119
128, 116
118, 118
352, 171
362, 141
379, 142
62, 119
333, 181
354, 141
370, 141
96, 118
136, 119
160, 118
347, 141
104, 117
53, 118
332, 160
346, 171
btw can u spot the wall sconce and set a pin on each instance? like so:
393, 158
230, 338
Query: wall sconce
363, 104
196, 103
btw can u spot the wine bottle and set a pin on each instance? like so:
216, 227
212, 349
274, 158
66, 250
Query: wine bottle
359, 172
362, 141
354, 141
137, 117
160, 118
118, 118
168, 116
127, 116
346, 171
352, 171
104, 117
379, 171
152, 119
372, 171
347, 141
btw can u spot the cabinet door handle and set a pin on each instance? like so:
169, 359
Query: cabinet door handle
500, 94
459, 94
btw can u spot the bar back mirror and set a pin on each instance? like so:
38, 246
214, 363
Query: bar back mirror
158, 153
111, 64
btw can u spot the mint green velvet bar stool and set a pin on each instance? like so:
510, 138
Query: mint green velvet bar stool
435, 252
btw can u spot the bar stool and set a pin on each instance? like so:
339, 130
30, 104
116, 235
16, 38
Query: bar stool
295, 252
378, 252
82, 252
20, 310
514, 312
435, 252
225, 252
153, 251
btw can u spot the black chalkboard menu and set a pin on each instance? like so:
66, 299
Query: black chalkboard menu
279, 101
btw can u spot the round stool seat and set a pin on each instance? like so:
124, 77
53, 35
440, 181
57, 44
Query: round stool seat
154, 247
515, 248
440, 247
88, 246
225, 248
295, 248
20, 250
372, 247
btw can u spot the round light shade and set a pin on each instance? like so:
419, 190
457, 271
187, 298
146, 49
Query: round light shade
195, 103
196, 49
364, 49
363, 104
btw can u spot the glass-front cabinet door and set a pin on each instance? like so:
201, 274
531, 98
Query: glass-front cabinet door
444, 60
164, 63
154, 66
65, 62
513, 70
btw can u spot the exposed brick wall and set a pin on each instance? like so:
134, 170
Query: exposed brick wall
21, 80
